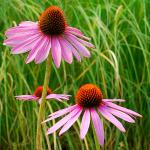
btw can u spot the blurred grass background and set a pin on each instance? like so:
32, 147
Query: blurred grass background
120, 66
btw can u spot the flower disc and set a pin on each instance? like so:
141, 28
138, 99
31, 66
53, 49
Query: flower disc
89, 95
52, 21
39, 89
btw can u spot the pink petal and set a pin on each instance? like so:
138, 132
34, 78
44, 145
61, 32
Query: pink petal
39, 45
61, 122
64, 111
39, 101
59, 96
82, 49
20, 30
28, 24
70, 122
26, 97
77, 34
60, 113
64, 95
19, 39
43, 52
26, 45
85, 43
85, 123
128, 111
56, 51
111, 118
74, 30
98, 126
75, 53
66, 50
21, 34
120, 114
113, 100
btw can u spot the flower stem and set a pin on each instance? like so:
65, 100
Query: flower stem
95, 139
42, 105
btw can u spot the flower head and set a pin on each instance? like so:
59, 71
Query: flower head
51, 34
89, 100
37, 96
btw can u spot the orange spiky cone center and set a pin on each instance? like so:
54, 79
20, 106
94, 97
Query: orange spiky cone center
39, 89
52, 21
88, 96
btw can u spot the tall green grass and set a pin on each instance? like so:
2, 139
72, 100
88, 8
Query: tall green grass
120, 65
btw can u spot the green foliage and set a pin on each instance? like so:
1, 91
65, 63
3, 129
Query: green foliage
120, 65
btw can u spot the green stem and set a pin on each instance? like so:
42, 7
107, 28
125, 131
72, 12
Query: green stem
95, 139
42, 105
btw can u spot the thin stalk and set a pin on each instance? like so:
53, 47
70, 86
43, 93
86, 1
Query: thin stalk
42, 105
95, 139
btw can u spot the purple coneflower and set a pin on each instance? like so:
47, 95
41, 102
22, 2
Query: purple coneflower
38, 94
89, 99
50, 34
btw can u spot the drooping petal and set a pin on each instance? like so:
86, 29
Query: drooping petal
60, 113
120, 114
19, 30
98, 126
80, 35
85, 123
26, 97
43, 53
113, 100
66, 50
81, 48
85, 43
56, 51
39, 101
74, 30
111, 118
28, 24
39, 45
61, 122
64, 95
75, 53
21, 35
128, 111
63, 111
70, 122
26, 45
19, 39
58, 96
